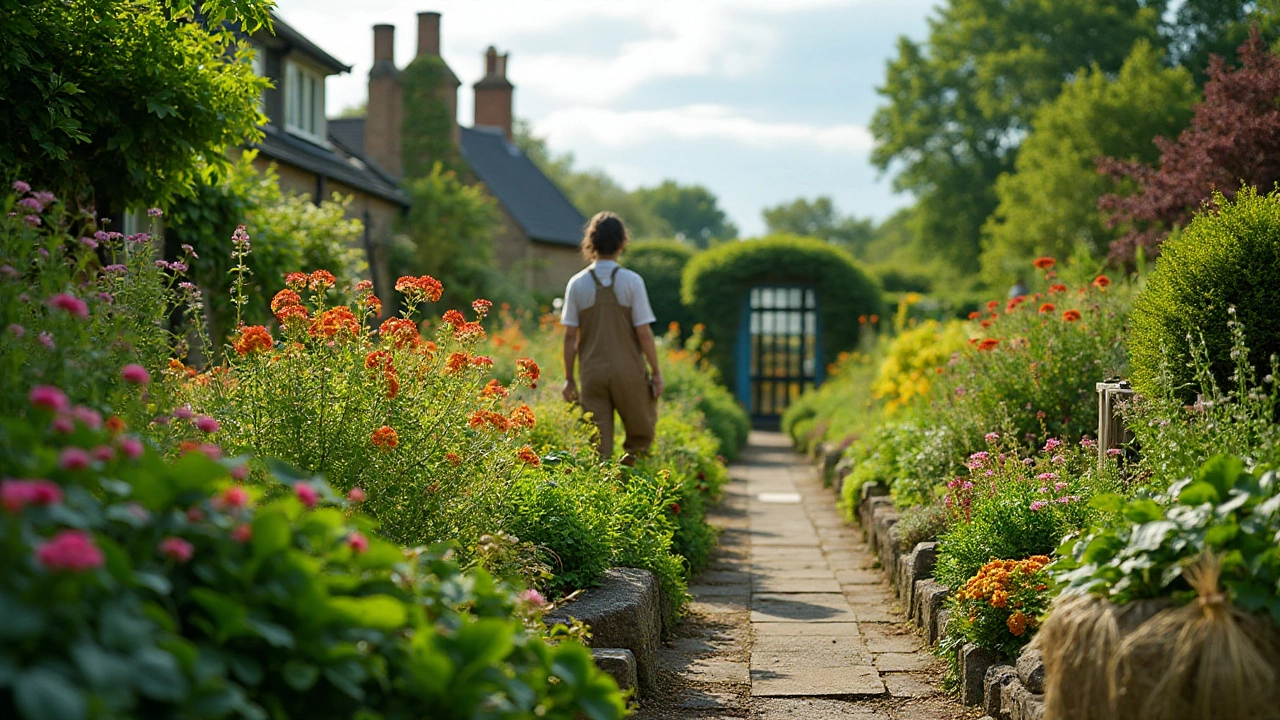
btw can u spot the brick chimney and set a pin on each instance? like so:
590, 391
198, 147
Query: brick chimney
494, 94
385, 105
429, 44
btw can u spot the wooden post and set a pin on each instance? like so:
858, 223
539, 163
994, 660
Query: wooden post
1112, 432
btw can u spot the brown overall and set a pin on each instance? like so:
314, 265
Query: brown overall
613, 372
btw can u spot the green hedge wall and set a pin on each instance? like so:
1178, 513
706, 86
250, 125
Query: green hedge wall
716, 281
661, 263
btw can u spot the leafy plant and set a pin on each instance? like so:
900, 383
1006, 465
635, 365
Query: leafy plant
1000, 607
661, 263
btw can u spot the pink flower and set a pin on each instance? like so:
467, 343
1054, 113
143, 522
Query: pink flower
17, 494
307, 494
357, 542
1028, 462
154, 212
235, 497
1114, 452
176, 549
533, 597
91, 418
17, 329
46, 339
70, 304
243, 533
357, 495
31, 204
72, 550
1035, 506
32, 220
63, 425
991, 437
1045, 476
1057, 460
195, 514
131, 447
240, 472
1051, 444
183, 413
207, 424
20, 187
977, 460
1088, 444
135, 374
1060, 486
103, 453
74, 458
49, 398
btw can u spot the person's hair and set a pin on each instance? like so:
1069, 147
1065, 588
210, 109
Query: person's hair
604, 235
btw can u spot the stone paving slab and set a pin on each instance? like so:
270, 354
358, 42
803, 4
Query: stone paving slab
775, 584
817, 682
808, 607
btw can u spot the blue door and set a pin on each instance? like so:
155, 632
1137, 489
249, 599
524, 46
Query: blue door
779, 350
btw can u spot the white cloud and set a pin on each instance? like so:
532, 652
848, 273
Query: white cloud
618, 128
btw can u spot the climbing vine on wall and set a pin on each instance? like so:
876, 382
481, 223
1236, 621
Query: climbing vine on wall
426, 133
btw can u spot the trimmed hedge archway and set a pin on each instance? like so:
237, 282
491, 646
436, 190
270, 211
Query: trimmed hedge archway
717, 283
661, 263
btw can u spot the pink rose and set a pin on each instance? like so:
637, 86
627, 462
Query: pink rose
176, 549
74, 458
49, 398
357, 495
357, 542
207, 424
135, 374
72, 550
307, 494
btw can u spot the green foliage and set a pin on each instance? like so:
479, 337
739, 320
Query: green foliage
717, 280
1221, 269
661, 263
819, 219
922, 523
1203, 28
289, 232
999, 608
1144, 549
958, 104
426, 132
136, 105
568, 515
691, 211
1049, 203
842, 407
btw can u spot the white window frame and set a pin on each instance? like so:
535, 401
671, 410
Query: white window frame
304, 102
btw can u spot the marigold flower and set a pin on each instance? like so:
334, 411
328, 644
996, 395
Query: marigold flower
321, 280
385, 437
988, 344
1070, 315
493, 389
1044, 263
527, 370
400, 332
481, 306
253, 339
334, 322
1101, 282
292, 314
1017, 623
72, 550
284, 299
295, 281
1047, 308
457, 361
528, 456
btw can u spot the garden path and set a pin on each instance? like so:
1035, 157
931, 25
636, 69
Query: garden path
792, 619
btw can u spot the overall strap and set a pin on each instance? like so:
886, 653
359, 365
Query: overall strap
592, 272
613, 276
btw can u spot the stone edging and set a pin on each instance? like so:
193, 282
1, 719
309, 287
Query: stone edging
624, 614
1004, 692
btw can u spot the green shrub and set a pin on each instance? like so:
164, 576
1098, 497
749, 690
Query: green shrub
922, 523
717, 280
1227, 258
568, 516
661, 263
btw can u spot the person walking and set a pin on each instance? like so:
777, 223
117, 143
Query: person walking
606, 315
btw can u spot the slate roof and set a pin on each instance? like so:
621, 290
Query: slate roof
349, 132
535, 203
340, 163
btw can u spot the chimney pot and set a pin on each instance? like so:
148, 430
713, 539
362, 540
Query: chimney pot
429, 33
384, 42
491, 62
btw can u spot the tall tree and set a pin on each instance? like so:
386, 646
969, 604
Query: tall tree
1203, 28
692, 211
959, 104
126, 103
1049, 204
1234, 139
821, 220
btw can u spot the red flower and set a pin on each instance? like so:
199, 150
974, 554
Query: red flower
307, 494
115, 425
992, 304
385, 437
284, 299
523, 416
453, 458
72, 550
295, 281
292, 314
1044, 263
334, 322
674, 508
874, 319
357, 542
975, 315
1071, 315
862, 319
493, 389
1013, 304
456, 362
482, 361
528, 456
321, 280
243, 533
377, 359
176, 549
481, 306
528, 370
373, 305
1057, 288
17, 494
468, 331
420, 288
401, 332
253, 339
1047, 308
988, 344
986, 323
454, 318
364, 286
1101, 282
493, 420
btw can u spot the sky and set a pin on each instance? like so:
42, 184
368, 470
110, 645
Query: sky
761, 101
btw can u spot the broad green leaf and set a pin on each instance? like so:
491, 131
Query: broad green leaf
300, 675
21, 621
1220, 535
276, 635
1222, 472
1198, 493
1150, 536
42, 694
381, 612
1142, 511
156, 675
271, 533
1107, 502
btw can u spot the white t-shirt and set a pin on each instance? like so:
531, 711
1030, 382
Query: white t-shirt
580, 293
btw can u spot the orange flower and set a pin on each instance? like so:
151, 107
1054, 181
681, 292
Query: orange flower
1047, 308
988, 344
992, 304
468, 331
377, 359
454, 318
482, 361
295, 281
254, 338
481, 306
385, 437
975, 315
1057, 288
373, 305
480, 419
1101, 282
419, 288
283, 299
334, 322
1017, 623
401, 332
528, 370
530, 457
453, 458
986, 323
862, 319
114, 425
292, 314
457, 361
1013, 304
1044, 263
523, 416
1071, 315
364, 286
493, 389
321, 280
393, 382
874, 319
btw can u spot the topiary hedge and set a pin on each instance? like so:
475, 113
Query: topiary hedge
716, 281
1228, 257
661, 263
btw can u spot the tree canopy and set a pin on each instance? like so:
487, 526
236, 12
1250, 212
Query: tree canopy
819, 219
692, 212
1049, 204
125, 103
959, 104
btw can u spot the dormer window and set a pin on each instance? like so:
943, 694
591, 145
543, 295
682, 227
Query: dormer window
304, 101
